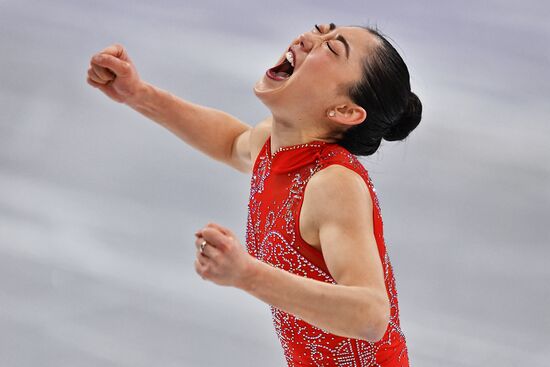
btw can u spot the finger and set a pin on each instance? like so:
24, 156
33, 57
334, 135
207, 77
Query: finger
201, 258
198, 242
117, 66
116, 50
222, 229
93, 76
211, 252
105, 88
216, 238
199, 268
103, 73
95, 84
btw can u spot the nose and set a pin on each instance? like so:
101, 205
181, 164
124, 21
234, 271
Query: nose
307, 41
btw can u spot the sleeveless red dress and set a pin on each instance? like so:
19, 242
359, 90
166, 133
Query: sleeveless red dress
273, 236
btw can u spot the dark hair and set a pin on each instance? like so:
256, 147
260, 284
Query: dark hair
384, 91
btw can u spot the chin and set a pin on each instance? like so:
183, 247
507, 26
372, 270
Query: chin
266, 92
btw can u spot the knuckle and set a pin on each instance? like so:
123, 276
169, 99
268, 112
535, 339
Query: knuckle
125, 66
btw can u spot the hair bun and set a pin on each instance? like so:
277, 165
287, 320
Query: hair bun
407, 121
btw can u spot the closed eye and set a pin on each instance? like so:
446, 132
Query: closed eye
328, 44
330, 48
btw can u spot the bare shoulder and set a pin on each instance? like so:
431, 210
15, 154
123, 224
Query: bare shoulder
258, 137
248, 144
338, 185
337, 195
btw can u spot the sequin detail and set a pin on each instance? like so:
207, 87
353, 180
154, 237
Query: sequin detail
272, 236
316, 144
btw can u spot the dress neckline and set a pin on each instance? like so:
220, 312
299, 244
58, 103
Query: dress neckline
292, 157
311, 144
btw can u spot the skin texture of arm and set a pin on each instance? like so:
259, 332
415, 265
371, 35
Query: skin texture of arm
248, 145
211, 131
341, 213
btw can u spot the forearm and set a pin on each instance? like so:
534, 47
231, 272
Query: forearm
208, 130
349, 311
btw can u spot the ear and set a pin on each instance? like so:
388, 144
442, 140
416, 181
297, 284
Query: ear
347, 114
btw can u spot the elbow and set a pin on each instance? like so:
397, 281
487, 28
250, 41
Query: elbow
377, 325
380, 331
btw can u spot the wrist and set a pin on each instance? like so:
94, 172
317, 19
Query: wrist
252, 275
139, 95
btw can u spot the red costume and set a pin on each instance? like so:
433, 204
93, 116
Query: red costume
273, 236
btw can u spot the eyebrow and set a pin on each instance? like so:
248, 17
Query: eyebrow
341, 38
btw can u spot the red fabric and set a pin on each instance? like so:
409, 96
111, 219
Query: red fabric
272, 235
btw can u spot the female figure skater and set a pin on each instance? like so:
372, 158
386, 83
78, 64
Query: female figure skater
315, 249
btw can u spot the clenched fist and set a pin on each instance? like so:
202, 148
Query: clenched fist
222, 259
113, 72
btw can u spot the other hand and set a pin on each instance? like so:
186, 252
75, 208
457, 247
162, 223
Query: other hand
223, 260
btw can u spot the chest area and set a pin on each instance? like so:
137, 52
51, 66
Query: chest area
277, 214
278, 198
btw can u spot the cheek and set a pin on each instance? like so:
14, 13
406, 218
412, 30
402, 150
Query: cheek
322, 68
319, 62
319, 78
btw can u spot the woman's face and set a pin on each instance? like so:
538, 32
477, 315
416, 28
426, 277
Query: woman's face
326, 59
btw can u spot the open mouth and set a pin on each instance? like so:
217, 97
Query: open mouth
284, 70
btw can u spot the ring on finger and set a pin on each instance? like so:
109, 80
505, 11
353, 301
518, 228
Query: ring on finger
203, 244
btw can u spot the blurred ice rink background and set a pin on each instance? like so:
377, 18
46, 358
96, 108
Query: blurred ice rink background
98, 205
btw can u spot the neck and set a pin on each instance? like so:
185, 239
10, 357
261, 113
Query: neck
285, 134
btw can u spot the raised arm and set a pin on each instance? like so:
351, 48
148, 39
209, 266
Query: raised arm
217, 134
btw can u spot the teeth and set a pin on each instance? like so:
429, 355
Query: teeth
290, 58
